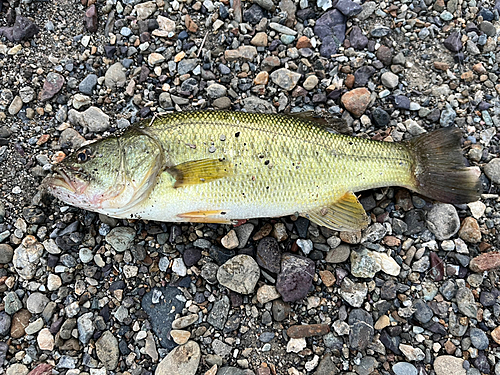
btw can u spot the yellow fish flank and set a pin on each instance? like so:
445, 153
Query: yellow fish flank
212, 166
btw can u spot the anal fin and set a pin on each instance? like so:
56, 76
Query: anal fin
213, 216
346, 214
199, 171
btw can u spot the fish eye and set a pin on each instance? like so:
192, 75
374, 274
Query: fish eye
83, 155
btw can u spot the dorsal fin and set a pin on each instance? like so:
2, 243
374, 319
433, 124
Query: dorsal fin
324, 120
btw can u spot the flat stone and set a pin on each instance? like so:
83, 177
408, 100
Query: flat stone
27, 256
295, 278
443, 221
466, 303
353, 293
183, 359
17, 369
52, 85
184, 321
296, 345
161, 305
492, 170
240, 274
267, 293
479, 339
180, 337
6, 253
269, 254
389, 80
86, 327
307, 330
20, 321
145, 10
218, 315
338, 255
42, 369
485, 262
36, 302
286, 79
411, 353
447, 364
121, 238
362, 330
107, 350
356, 101
45, 340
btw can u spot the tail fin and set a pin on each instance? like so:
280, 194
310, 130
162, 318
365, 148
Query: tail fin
440, 172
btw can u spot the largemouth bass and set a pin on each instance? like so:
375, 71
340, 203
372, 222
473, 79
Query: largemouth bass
218, 167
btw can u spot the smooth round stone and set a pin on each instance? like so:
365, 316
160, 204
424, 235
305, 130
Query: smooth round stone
479, 339
85, 255
121, 238
404, 368
36, 302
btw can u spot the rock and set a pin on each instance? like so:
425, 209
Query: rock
411, 353
121, 238
380, 117
423, 313
454, 42
296, 345
180, 337
447, 364
347, 7
310, 83
42, 369
52, 85
286, 79
259, 40
356, 101
45, 340
384, 54
253, 104
23, 29
15, 106
469, 230
479, 339
366, 263
12, 303
307, 330
36, 302
216, 90
90, 19
115, 76
295, 278
267, 293
338, 255
155, 58
5, 322
107, 350
20, 321
382, 322
161, 306
183, 359
93, 118
495, 335
218, 315
6, 253
353, 293
389, 80
184, 321
466, 303
357, 39
404, 368
492, 170
448, 116
485, 262
17, 369
362, 330
85, 327
477, 209
269, 254
331, 29
443, 221
145, 10
240, 274
27, 256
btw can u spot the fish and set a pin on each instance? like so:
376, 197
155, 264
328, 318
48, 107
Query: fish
225, 166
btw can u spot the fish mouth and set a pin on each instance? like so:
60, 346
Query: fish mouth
61, 179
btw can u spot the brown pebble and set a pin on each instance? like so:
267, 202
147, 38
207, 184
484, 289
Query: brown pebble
90, 19
467, 76
308, 330
327, 277
351, 237
263, 232
449, 347
479, 68
303, 42
441, 65
485, 262
349, 81
20, 321
356, 101
391, 241
495, 335
190, 24
42, 369
469, 230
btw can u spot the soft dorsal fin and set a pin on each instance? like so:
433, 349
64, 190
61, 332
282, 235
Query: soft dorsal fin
346, 214
325, 120
199, 171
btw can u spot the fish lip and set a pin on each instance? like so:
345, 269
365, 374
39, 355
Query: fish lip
62, 179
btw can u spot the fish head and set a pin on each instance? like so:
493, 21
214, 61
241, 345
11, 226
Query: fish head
109, 176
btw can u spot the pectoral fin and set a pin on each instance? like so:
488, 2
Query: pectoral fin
346, 214
199, 171
213, 216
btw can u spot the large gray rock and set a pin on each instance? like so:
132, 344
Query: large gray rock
443, 221
184, 360
115, 76
492, 170
240, 274
107, 350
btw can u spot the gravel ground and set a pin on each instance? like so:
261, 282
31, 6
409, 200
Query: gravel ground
415, 293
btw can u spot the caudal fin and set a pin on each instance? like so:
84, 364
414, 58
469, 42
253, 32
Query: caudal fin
440, 172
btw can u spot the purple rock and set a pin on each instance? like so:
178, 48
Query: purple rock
90, 19
191, 256
497, 5
362, 75
7, 32
330, 28
454, 42
402, 102
357, 38
23, 29
52, 85
347, 7
295, 278
437, 267
328, 47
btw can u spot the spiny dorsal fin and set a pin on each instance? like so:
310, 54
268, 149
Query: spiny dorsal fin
346, 214
324, 119
199, 171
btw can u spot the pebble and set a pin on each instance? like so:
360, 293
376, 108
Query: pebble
267, 293
20, 321
45, 340
389, 80
183, 359
285, 78
466, 303
184, 321
12, 303
479, 339
180, 337
218, 315
485, 262
307, 330
447, 364
469, 230
353, 293
443, 221
115, 76
411, 353
362, 331
240, 274
338, 255
52, 85
295, 278
93, 118
492, 170
121, 238
366, 264
296, 345
356, 101
107, 350
269, 254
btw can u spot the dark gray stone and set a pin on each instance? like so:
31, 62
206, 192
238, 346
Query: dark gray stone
357, 39
423, 312
362, 331
479, 339
269, 254
218, 315
454, 41
161, 306
295, 278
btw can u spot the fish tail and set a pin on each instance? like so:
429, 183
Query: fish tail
440, 172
